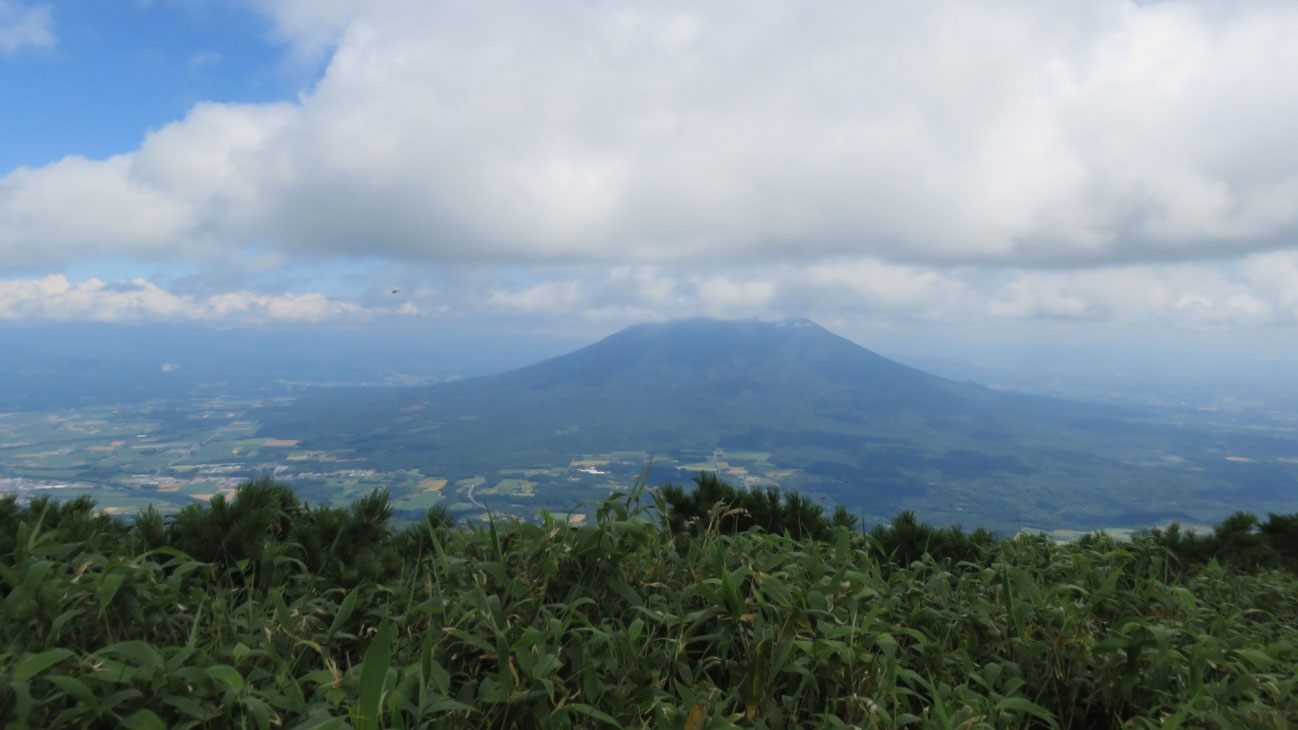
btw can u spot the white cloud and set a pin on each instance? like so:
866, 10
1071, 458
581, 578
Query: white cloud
1259, 291
1089, 161
722, 295
1038, 296
547, 297
24, 26
54, 298
186, 194
80, 208
312, 26
942, 133
883, 287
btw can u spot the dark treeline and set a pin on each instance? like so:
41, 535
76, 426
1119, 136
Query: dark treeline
267, 524
740, 510
714, 504
1241, 542
688, 609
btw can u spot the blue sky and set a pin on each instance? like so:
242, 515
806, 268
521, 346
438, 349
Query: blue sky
119, 68
1067, 171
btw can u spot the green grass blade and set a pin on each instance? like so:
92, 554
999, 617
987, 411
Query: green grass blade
37, 663
374, 672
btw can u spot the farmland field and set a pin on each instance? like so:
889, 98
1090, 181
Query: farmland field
173, 453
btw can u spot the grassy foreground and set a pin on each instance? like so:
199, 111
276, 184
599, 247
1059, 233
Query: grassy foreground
265, 613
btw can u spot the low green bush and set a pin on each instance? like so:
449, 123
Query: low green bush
261, 612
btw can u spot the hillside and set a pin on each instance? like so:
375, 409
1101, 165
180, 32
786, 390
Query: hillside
828, 415
682, 384
665, 386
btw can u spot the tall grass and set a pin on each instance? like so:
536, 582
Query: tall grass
328, 619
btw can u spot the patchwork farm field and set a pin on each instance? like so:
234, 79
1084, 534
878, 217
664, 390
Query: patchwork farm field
1119, 474
173, 453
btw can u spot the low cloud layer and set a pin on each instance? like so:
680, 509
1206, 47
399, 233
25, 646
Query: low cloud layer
55, 299
943, 133
1261, 290
1258, 291
1097, 160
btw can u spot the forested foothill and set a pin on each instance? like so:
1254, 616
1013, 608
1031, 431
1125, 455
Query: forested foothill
701, 607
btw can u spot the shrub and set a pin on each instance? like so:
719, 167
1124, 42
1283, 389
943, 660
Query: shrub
733, 510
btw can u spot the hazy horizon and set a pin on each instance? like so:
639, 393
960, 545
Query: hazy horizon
1105, 370
940, 180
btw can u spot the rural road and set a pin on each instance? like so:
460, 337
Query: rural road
474, 500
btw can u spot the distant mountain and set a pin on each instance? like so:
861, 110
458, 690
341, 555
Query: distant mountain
836, 417
685, 384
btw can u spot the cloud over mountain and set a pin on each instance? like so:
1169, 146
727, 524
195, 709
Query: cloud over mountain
898, 155
948, 132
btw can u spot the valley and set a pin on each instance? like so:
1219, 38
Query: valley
786, 406
170, 455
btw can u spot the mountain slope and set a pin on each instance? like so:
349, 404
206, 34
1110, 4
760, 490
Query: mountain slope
689, 384
823, 413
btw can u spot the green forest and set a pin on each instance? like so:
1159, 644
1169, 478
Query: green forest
685, 607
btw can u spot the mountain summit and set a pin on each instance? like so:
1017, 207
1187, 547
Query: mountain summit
785, 403
726, 354
730, 374
824, 405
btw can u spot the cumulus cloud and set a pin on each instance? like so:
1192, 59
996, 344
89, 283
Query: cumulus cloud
54, 298
1257, 290
1261, 290
547, 297
312, 26
182, 196
1086, 133
23, 26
